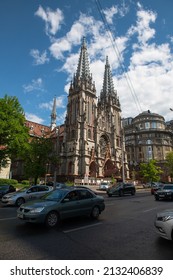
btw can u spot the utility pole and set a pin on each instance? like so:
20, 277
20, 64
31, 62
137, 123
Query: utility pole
122, 152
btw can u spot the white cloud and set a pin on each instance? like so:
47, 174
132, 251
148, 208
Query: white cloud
34, 118
60, 46
109, 14
53, 19
35, 85
39, 58
49, 105
142, 29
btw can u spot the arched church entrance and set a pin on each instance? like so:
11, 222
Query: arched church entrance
93, 169
109, 169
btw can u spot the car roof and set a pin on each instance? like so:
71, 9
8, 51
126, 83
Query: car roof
71, 188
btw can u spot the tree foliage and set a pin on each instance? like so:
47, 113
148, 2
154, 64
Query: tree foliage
169, 164
40, 153
13, 132
150, 171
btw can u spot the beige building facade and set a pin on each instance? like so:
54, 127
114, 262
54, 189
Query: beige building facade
147, 136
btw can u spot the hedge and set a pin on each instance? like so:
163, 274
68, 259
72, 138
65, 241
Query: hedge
8, 181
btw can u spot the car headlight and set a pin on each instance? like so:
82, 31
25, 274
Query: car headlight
36, 210
167, 218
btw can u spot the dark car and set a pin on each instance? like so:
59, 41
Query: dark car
166, 192
4, 189
61, 204
121, 189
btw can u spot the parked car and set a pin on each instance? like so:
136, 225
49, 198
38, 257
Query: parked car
19, 197
61, 204
164, 224
4, 189
121, 189
104, 186
166, 192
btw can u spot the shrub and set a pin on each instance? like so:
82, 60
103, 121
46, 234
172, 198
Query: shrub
25, 182
8, 181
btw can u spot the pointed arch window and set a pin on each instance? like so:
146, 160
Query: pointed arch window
89, 134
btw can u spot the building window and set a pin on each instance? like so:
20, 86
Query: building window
153, 125
147, 125
148, 142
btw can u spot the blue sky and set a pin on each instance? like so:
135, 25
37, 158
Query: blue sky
40, 43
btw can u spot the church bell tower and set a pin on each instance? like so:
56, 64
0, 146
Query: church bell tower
80, 119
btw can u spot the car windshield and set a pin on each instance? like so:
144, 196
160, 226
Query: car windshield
168, 187
56, 195
116, 185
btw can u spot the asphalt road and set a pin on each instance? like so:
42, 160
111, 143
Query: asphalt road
124, 231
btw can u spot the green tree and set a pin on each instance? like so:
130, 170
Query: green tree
169, 164
13, 132
150, 171
40, 153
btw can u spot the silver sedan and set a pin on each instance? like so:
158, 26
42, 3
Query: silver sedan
26, 194
164, 224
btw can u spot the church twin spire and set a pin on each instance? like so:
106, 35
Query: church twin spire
83, 76
83, 71
108, 93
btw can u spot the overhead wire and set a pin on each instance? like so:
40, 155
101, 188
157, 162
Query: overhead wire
115, 47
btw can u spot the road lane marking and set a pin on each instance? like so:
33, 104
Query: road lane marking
4, 219
110, 204
81, 228
148, 210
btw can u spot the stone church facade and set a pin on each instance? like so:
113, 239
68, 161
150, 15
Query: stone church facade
91, 141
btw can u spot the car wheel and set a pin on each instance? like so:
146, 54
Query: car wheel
20, 201
95, 212
109, 194
120, 193
156, 197
172, 235
52, 219
132, 192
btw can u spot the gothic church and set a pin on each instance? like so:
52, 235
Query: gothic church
90, 141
